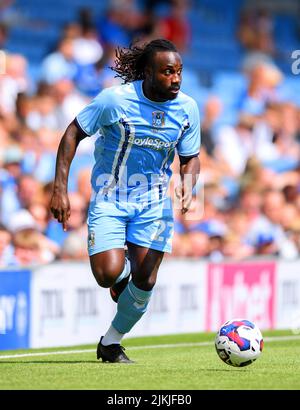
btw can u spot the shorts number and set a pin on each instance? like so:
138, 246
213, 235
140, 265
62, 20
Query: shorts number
157, 236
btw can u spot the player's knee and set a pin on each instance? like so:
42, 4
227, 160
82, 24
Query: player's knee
107, 276
145, 284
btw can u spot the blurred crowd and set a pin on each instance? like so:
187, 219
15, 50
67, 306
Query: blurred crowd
247, 201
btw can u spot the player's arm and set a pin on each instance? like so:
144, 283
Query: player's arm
189, 173
188, 148
60, 205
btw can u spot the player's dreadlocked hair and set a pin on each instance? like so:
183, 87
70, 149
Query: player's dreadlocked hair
130, 62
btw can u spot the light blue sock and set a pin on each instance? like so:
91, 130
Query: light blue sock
132, 304
125, 272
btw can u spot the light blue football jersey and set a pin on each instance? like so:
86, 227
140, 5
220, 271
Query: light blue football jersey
137, 141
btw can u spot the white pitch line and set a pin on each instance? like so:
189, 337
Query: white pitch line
161, 346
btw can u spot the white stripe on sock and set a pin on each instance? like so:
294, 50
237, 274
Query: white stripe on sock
112, 336
125, 272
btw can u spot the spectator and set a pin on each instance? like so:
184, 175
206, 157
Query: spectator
59, 64
29, 191
251, 204
83, 184
246, 167
86, 49
273, 207
11, 172
212, 110
235, 244
265, 131
181, 244
74, 247
91, 79
12, 160
24, 104
13, 82
47, 194
266, 245
6, 249
42, 113
30, 245
3, 35
113, 28
235, 145
290, 193
27, 248
276, 150
273, 204
198, 245
68, 101
9, 14
264, 78
76, 222
256, 31
175, 27
289, 215
256, 174
40, 156
294, 234
40, 215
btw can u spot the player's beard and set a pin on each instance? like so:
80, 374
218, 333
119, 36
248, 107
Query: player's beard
163, 93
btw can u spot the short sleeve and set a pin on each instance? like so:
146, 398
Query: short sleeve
189, 143
102, 111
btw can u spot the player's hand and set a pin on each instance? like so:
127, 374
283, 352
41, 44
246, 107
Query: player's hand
184, 194
60, 208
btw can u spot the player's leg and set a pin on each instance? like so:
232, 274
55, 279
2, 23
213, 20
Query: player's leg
145, 265
106, 240
148, 237
109, 266
121, 282
132, 302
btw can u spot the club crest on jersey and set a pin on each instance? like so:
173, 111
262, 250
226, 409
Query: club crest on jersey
158, 119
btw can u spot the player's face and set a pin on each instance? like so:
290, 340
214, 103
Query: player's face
163, 78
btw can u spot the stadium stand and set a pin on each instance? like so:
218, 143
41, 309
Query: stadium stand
248, 97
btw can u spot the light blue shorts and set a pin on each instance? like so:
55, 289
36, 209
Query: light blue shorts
111, 225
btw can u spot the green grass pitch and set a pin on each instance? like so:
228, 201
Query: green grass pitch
185, 362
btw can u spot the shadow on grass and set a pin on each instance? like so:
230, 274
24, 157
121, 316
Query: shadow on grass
98, 363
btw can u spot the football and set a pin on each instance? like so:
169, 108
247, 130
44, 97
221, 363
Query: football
239, 342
